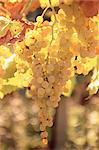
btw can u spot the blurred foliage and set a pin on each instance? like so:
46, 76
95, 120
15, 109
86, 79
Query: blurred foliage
82, 127
19, 124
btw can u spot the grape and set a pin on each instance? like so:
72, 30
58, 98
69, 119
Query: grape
50, 67
41, 92
39, 19
51, 79
45, 84
40, 80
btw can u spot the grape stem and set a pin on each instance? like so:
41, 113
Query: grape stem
53, 10
44, 11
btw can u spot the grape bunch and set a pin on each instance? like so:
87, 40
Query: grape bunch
46, 59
